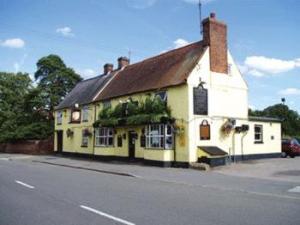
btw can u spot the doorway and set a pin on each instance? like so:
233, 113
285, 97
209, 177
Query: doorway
132, 136
59, 135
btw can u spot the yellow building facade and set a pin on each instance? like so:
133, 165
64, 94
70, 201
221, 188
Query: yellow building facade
201, 109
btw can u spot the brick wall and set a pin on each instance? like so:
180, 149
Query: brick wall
215, 36
34, 147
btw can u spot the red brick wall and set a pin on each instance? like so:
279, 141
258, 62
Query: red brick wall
33, 147
215, 36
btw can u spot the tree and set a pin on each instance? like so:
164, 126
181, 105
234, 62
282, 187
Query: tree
13, 91
55, 80
26, 109
290, 118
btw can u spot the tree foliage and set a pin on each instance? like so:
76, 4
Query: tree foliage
17, 119
55, 80
290, 118
26, 107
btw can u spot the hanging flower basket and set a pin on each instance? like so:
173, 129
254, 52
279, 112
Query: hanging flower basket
70, 133
179, 129
226, 128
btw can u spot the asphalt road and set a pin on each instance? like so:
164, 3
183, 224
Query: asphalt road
40, 194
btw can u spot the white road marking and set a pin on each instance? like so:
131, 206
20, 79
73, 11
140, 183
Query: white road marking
106, 215
295, 189
24, 184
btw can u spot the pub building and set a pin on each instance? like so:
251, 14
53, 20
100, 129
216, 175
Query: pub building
186, 105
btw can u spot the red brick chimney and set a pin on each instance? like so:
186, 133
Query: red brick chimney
122, 62
215, 36
108, 68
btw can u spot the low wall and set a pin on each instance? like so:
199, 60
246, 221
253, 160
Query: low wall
34, 147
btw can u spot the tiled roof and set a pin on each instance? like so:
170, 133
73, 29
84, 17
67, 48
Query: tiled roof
168, 69
85, 91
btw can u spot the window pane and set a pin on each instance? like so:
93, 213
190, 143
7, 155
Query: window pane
110, 141
169, 142
257, 137
257, 129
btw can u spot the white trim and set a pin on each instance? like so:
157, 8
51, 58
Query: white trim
96, 96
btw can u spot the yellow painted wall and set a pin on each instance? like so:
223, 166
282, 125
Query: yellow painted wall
232, 144
177, 101
73, 144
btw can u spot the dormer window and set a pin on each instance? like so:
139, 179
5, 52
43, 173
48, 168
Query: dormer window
162, 95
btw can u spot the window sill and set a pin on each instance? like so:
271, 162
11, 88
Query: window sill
84, 121
59, 124
159, 149
74, 122
84, 146
258, 142
104, 146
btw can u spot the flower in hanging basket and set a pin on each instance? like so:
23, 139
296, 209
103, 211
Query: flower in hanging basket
70, 133
226, 128
179, 129
87, 132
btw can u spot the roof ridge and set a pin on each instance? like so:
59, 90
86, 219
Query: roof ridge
164, 53
144, 60
98, 76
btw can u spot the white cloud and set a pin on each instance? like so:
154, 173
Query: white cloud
140, 4
86, 73
260, 65
289, 91
180, 43
13, 43
65, 31
256, 73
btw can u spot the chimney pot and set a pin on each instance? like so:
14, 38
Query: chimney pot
122, 62
108, 68
213, 15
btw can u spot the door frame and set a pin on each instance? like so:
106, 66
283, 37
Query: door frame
59, 141
131, 144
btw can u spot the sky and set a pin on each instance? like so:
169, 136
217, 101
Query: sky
263, 37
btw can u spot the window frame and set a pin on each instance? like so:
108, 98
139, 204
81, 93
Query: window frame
59, 117
261, 133
163, 95
85, 113
161, 136
106, 134
106, 104
83, 139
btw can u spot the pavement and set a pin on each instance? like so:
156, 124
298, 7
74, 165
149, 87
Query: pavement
60, 190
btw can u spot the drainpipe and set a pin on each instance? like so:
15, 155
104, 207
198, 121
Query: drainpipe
242, 144
174, 144
94, 138
233, 146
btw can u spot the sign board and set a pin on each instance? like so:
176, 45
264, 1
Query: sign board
200, 101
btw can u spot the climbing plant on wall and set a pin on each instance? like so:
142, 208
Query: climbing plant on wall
151, 110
